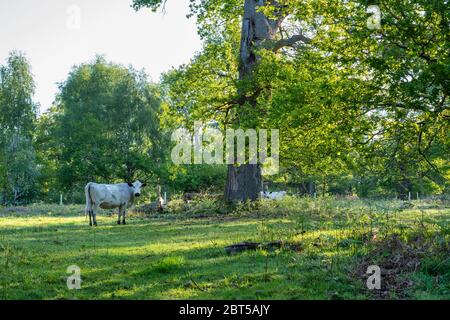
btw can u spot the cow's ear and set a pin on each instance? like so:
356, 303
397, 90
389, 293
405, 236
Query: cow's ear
144, 185
130, 184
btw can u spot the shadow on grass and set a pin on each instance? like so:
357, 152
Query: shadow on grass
166, 260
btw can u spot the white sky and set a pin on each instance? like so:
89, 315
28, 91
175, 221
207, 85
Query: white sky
45, 30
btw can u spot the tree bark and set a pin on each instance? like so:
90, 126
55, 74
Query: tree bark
258, 31
244, 182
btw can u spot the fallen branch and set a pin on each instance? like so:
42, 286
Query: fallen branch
245, 246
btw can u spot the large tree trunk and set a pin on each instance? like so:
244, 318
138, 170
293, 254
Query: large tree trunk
245, 182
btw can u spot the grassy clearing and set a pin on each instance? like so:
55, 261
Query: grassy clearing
180, 254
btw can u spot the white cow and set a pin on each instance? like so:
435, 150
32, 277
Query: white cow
109, 196
277, 195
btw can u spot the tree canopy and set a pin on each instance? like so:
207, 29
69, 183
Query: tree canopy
104, 126
350, 101
18, 170
361, 110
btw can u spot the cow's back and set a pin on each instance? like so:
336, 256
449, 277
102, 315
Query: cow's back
111, 195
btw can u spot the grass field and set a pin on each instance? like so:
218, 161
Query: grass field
181, 255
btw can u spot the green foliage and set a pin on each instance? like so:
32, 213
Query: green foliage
21, 169
17, 110
104, 127
367, 104
361, 112
196, 178
18, 168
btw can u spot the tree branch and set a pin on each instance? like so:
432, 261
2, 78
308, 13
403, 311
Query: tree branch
433, 167
289, 42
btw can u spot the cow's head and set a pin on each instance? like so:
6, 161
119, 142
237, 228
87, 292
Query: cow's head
136, 187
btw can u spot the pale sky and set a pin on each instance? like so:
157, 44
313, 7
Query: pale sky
49, 34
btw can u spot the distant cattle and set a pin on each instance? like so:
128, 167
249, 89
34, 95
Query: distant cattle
110, 196
277, 195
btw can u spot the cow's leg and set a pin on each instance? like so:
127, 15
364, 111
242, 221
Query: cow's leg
88, 210
94, 213
120, 212
124, 214
90, 217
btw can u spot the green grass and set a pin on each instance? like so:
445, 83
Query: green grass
182, 256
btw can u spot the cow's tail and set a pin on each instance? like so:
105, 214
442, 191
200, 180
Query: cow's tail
89, 201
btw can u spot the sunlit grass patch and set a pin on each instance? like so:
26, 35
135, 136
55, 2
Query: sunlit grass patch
184, 257
167, 265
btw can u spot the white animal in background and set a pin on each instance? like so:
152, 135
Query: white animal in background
277, 195
109, 196
160, 203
